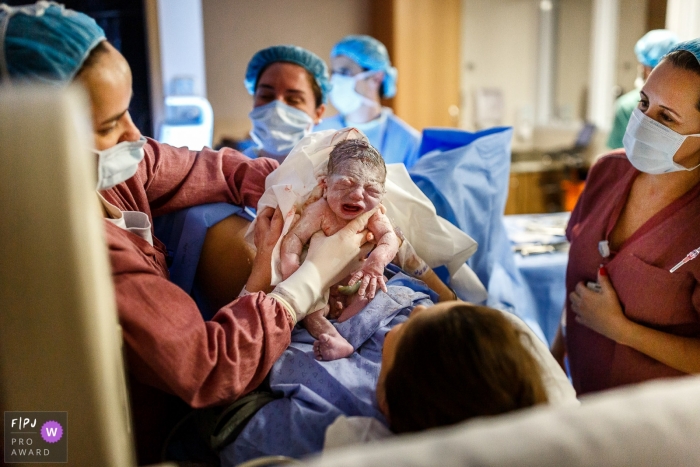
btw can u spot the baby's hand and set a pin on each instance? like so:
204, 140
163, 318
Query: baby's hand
372, 275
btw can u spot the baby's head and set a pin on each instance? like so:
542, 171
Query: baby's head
355, 180
451, 362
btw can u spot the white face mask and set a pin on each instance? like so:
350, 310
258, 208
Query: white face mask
343, 95
119, 163
277, 127
650, 146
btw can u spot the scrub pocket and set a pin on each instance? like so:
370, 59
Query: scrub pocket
653, 296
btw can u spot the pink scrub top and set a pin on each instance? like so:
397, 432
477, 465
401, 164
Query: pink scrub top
172, 354
649, 294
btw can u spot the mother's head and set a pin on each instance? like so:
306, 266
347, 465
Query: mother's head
290, 86
656, 140
451, 362
49, 44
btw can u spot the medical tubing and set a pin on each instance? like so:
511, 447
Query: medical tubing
300, 292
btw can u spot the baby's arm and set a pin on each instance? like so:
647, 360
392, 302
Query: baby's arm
300, 233
372, 272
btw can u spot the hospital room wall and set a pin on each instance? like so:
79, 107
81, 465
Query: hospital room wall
501, 36
234, 31
498, 38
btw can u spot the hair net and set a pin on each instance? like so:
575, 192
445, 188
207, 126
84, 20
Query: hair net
45, 42
292, 54
370, 54
692, 46
652, 47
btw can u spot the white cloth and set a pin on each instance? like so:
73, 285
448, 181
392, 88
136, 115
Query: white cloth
345, 431
135, 222
435, 240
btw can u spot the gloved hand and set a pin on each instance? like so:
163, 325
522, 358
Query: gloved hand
328, 260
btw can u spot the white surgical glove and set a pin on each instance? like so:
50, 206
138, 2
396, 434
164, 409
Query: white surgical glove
328, 260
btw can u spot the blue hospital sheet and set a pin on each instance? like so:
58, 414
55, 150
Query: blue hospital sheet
544, 273
465, 175
316, 393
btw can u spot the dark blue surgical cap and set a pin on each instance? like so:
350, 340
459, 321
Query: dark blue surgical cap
45, 42
369, 54
292, 54
692, 46
652, 47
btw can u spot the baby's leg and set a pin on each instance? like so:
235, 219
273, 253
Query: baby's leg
330, 345
354, 305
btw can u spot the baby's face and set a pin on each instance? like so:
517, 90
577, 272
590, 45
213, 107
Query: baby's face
354, 189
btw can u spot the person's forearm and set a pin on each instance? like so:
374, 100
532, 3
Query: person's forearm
261, 275
169, 346
433, 281
176, 178
681, 353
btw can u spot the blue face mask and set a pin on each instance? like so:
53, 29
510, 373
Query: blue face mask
277, 127
119, 163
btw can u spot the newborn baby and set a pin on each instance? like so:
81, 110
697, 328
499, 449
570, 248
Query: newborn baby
353, 185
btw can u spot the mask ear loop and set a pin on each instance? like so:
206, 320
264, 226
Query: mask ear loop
695, 135
362, 76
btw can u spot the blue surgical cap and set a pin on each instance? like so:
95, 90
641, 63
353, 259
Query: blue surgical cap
652, 47
692, 46
45, 42
292, 54
369, 54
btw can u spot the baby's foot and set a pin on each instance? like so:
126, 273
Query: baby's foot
329, 347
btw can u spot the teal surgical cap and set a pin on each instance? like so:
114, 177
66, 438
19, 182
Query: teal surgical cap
652, 47
369, 54
45, 42
292, 54
692, 46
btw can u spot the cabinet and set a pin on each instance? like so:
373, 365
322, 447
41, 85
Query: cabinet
534, 192
423, 39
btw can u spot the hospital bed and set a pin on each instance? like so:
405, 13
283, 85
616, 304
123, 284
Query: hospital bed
60, 343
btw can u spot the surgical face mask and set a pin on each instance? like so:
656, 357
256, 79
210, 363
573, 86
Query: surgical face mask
119, 163
650, 146
277, 127
343, 95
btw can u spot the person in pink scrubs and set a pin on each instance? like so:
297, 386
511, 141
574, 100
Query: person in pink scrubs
633, 305
175, 359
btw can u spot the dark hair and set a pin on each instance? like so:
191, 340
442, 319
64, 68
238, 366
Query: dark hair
685, 61
464, 363
315, 88
355, 149
93, 57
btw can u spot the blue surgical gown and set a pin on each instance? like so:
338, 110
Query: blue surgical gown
394, 138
